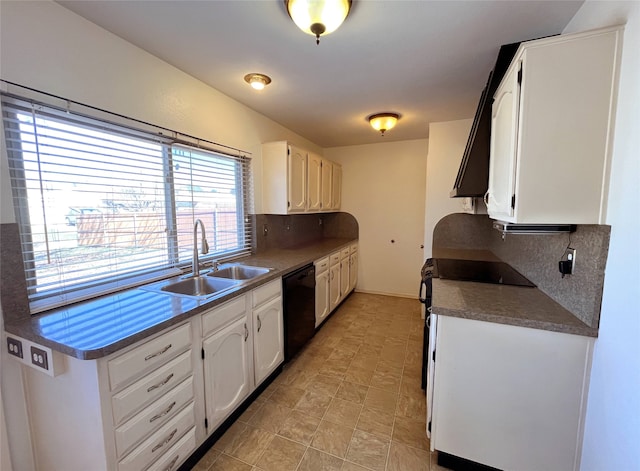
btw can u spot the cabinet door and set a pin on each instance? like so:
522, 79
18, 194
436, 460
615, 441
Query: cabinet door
334, 286
344, 278
336, 187
314, 185
526, 405
353, 270
297, 181
226, 371
322, 297
268, 339
327, 185
504, 143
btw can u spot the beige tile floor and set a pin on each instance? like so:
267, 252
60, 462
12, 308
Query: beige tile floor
350, 400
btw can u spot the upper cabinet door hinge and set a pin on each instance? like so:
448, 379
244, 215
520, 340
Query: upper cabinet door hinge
513, 202
202, 353
520, 76
433, 356
288, 151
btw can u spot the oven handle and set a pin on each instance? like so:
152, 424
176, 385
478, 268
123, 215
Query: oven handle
422, 300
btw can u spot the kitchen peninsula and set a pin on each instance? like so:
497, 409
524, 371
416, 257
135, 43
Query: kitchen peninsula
510, 364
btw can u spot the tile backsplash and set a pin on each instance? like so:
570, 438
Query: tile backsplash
536, 256
285, 231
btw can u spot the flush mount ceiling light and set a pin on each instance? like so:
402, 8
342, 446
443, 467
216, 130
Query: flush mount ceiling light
257, 81
383, 121
318, 17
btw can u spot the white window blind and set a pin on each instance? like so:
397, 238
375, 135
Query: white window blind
101, 207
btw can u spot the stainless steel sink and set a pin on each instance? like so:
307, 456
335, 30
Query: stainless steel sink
195, 287
239, 272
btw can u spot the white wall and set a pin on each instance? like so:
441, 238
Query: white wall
49, 48
383, 187
612, 429
447, 141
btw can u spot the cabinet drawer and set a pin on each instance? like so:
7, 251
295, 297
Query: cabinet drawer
152, 386
353, 248
322, 265
157, 444
266, 292
147, 355
177, 453
344, 253
151, 418
334, 258
223, 315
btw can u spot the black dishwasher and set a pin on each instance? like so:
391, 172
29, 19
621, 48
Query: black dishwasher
299, 302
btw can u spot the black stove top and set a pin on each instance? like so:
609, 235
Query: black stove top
480, 271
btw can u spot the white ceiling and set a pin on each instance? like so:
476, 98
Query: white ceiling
426, 60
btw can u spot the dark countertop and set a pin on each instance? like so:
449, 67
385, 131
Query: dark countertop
502, 304
98, 327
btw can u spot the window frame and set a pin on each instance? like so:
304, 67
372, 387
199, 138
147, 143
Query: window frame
13, 105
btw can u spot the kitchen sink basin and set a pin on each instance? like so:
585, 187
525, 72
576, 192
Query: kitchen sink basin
196, 287
239, 272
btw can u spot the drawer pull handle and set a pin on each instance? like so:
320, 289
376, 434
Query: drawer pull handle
167, 440
153, 355
163, 413
259, 324
160, 384
173, 462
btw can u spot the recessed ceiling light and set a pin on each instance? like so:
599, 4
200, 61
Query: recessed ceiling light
257, 81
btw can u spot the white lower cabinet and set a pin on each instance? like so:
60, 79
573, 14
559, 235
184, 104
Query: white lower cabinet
121, 412
340, 280
245, 345
322, 290
155, 446
345, 289
509, 397
144, 408
268, 338
177, 453
353, 267
334, 286
227, 374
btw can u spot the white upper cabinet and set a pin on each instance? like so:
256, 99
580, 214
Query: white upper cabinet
314, 182
327, 185
296, 181
552, 123
336, 187
504, 122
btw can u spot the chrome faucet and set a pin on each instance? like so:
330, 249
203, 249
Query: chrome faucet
205, 246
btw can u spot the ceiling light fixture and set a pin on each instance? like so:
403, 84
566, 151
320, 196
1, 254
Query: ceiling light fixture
318, 17
257, 81
383, 121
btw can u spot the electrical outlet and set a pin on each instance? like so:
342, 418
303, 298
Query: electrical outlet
15, 347
570, 255
39, 358
568, 262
